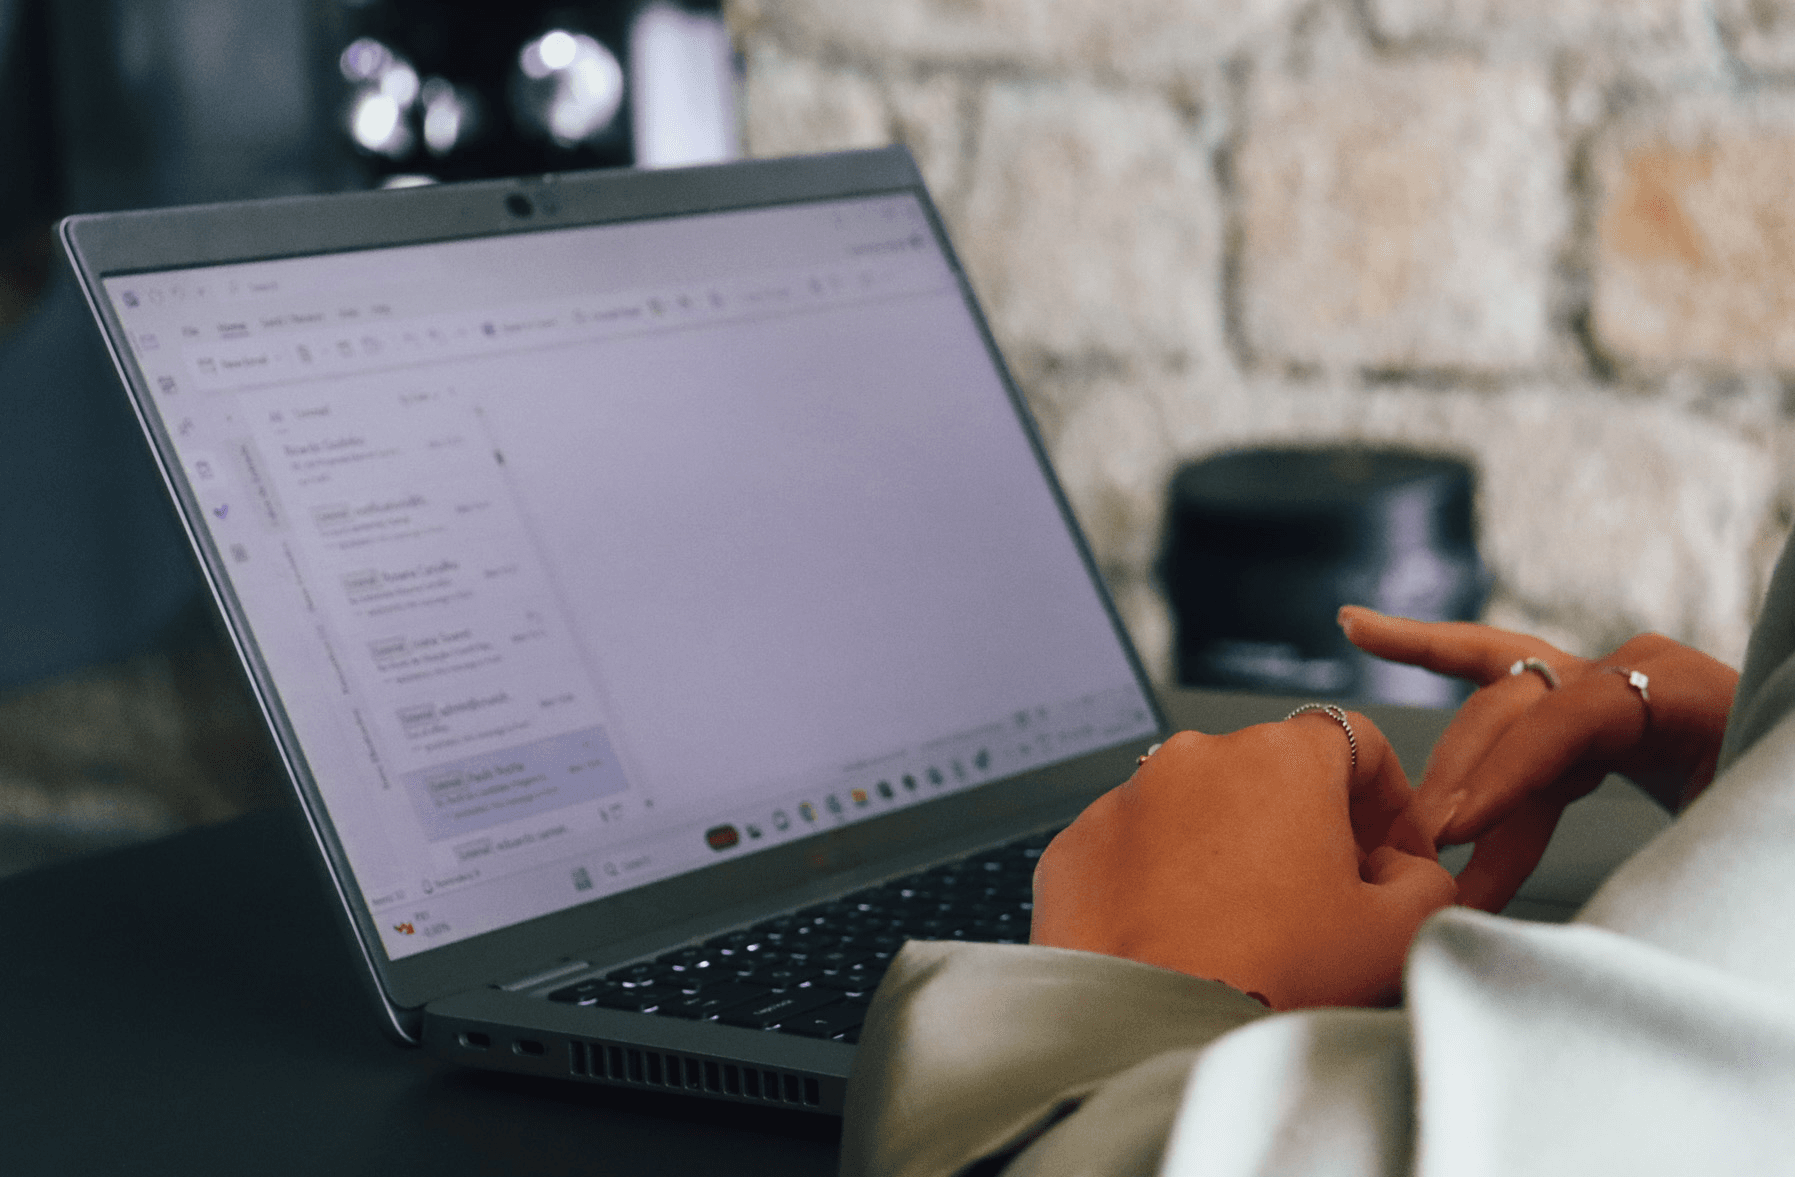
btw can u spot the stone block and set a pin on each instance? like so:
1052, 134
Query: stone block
1761, 33
1535, 22
793, 104
1150, 41
928, 115
1401, 216
1092, 223
1114, 456
1694, 257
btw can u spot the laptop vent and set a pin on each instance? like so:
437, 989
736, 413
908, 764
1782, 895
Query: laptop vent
636, 1067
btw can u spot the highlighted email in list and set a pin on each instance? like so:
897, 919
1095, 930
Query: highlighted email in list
483, 791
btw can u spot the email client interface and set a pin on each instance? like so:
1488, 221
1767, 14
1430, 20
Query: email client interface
587, 557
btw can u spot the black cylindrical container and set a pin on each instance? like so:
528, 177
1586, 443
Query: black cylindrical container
1263, 546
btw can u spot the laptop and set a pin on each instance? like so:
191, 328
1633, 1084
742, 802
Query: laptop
654, 585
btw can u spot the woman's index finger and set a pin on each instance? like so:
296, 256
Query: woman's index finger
1458, 649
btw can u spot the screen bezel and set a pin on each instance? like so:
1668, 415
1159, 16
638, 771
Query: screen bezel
112, 245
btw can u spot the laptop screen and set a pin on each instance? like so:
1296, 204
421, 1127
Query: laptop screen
583, 558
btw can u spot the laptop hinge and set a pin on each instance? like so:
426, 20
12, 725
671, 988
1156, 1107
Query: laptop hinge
545, 976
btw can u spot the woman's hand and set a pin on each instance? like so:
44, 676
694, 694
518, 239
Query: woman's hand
1520, 750
1259, 859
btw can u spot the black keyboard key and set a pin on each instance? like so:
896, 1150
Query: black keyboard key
768, 958
581, 993
779, 1008
647, 973
644, 971
640, 1000
851, 981
826, 1022
712, 1000
872, 966
697, 958
700, 972
782, 976
736, 942
769, 934
840, 958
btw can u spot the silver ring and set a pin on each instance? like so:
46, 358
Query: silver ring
1145, 756
1639, 682
1338, 716
1538, 665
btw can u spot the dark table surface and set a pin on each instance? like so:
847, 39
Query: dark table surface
188, 1007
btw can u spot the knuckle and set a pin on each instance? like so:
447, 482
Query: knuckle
1180, 746
1185, 740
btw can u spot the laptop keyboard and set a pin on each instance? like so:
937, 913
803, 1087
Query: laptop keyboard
813, 972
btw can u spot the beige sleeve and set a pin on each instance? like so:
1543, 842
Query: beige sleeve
972, 1050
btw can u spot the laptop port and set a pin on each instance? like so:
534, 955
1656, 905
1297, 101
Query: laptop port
475, 1040
529, 1046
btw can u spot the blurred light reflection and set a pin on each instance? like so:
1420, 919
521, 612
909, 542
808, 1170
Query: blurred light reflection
569, 86
377, 123
554, 51
449, 115
386, 88
400, 82
364, 60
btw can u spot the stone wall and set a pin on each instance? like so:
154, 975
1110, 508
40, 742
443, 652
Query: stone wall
1553, 236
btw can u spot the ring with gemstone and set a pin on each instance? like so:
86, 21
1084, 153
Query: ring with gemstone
1538, 666
1639, 682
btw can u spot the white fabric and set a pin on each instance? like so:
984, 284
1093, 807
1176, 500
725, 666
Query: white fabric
1325, 1092
1654, 1035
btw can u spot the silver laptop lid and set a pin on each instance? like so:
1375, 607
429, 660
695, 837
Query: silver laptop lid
585, 537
